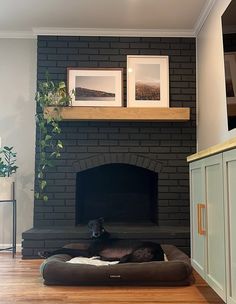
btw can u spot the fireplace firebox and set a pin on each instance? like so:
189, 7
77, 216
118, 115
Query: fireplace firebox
117, 192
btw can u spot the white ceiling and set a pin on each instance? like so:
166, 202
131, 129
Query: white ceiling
127, 17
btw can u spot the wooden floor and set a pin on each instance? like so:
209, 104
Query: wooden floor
20, 282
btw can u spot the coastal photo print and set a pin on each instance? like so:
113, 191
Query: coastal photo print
95, 87
147, 81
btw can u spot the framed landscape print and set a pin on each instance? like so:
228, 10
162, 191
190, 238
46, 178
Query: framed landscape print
95, 87
147, 81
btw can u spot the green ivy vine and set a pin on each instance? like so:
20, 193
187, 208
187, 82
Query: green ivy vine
49, 94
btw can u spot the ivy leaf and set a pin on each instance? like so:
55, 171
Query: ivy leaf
61, 85
43, 184
37, 195
40, 175
59, 144
48, 137
45, 198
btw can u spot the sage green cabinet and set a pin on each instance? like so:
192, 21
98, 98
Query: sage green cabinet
208, 221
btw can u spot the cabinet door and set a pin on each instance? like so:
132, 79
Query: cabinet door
229, 161
197, 198
215, 234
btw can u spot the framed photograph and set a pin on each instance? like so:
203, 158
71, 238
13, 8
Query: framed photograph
95, 87
230, 77
147, 81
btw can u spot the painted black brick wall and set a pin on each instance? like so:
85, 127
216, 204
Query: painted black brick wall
166, 144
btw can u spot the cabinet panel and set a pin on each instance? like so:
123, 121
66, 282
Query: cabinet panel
213, 183
197, 197
229, 159
215, 270
207, 222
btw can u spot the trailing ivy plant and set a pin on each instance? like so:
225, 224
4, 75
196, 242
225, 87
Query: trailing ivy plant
7, 161
49, 94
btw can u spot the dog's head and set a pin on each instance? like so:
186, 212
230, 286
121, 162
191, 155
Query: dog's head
97, 229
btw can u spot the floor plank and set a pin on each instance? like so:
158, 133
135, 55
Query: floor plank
21, 282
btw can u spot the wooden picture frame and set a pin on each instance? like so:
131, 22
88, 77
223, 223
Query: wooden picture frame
147, 81
96, 86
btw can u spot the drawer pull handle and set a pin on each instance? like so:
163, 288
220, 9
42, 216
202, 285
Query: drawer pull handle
201, 230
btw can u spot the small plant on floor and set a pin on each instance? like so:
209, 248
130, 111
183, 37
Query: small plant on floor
49, 94
7, 161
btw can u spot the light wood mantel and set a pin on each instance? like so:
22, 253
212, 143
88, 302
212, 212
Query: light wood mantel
121, 114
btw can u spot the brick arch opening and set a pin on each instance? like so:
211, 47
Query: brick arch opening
119, 158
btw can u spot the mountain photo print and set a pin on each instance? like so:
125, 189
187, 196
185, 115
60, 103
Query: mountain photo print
95, 87
147, 81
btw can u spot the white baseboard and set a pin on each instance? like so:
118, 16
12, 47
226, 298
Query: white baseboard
18, 246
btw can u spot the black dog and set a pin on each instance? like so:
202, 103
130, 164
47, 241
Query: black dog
113, 249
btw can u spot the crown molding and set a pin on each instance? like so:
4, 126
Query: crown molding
53, 31
18, 34
203, 16
113, 32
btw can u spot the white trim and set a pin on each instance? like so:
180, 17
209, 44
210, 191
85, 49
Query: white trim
18, 34
18, 247
113, 32
203, 16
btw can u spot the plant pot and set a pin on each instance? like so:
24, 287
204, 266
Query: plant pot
6, 188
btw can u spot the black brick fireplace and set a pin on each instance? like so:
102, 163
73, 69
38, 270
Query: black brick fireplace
153, 153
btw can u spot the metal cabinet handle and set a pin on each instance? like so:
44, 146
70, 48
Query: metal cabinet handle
201, 230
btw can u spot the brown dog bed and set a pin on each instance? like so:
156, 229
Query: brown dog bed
176, 271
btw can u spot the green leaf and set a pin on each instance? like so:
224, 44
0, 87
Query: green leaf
37, 195
61, 85
43, 184
40, 175
48, 137
45, 198
59, 144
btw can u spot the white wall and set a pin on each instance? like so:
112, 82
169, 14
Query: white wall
17, 127
212, 113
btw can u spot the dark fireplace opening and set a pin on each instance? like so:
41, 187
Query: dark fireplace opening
118, 193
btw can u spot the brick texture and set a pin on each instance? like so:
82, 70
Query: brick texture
161, 147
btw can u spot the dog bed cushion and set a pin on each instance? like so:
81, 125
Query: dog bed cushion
95, 260
176, 271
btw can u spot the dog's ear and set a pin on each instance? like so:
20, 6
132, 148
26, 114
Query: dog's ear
101, 220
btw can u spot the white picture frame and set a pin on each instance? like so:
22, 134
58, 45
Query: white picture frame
96, 86
147, 81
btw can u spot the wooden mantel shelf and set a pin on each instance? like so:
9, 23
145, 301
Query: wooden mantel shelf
121, 114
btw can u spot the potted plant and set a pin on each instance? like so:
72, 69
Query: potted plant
49, 94
7, 169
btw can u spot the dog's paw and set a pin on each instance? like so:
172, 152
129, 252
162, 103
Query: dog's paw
44, 254
124, 259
